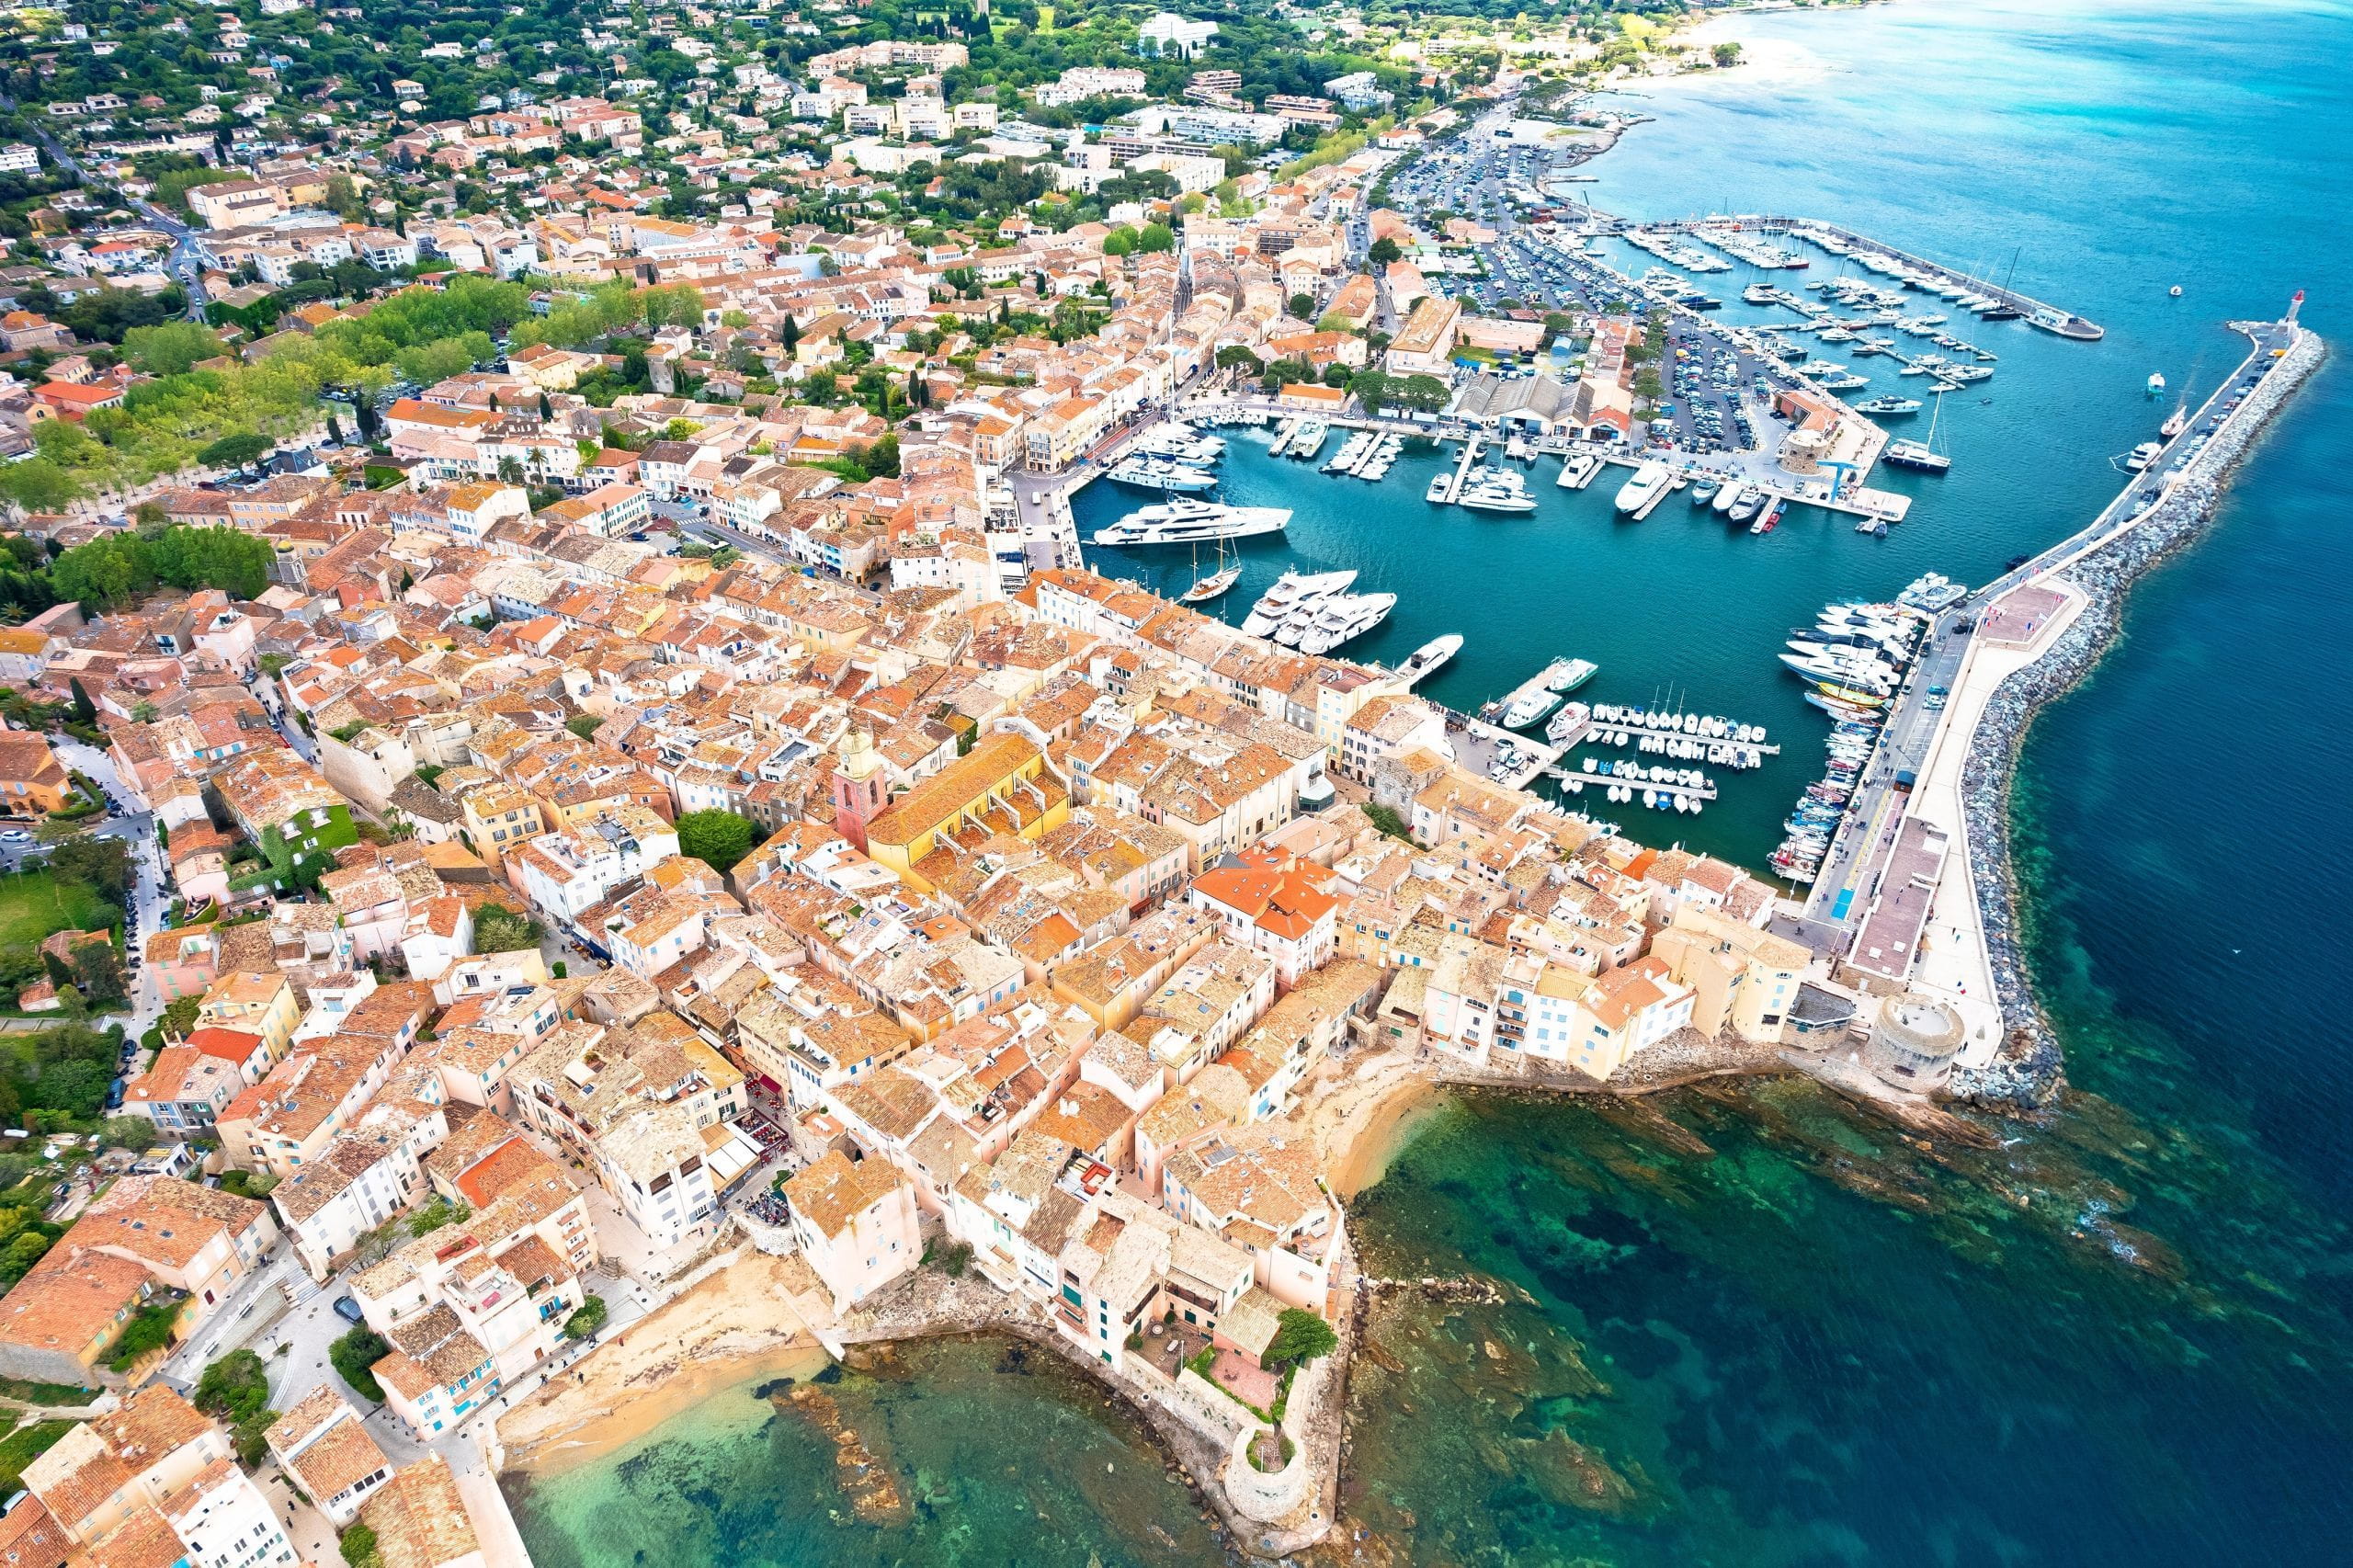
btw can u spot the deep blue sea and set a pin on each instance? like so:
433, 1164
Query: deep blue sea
1759, 1327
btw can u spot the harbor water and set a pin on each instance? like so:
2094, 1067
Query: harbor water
1758, 1326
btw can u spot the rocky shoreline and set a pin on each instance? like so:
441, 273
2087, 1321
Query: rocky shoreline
2028, 1073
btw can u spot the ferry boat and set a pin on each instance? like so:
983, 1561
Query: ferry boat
1292, 590
1187, 521
1565, 676
1578, 470
1527, 705
1160, 474
1649, 481
1430, 658
1496, 489
1344, 619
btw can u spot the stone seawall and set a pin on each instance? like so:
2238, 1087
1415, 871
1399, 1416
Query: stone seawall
2029, 1071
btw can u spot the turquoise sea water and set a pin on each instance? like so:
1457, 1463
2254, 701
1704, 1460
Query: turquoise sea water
1761, 1328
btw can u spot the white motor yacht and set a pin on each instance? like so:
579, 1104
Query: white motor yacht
1188, 521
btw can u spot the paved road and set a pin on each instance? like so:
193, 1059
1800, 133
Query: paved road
183, 262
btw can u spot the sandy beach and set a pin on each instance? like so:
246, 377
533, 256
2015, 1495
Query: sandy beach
737, 1326
1360, 1121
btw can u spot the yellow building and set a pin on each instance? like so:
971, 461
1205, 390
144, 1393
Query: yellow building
498, 818
1000, 786
1742, 976
258, 1004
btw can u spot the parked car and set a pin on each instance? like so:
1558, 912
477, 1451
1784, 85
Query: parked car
348, 1310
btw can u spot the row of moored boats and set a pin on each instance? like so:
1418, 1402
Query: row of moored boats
1854, 656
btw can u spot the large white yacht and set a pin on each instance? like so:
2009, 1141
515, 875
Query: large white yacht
1292, 590
1496, 489
1188, 521
1147, 472
1345, 618
1649, 481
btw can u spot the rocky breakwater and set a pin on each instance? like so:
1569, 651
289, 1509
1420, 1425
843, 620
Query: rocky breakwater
2028, 1072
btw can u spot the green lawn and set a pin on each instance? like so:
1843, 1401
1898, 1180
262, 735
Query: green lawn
24, 1445
34, 904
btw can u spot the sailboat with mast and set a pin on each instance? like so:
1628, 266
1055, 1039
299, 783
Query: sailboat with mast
1218, 581
2178, 421
1922, 454
2000, 308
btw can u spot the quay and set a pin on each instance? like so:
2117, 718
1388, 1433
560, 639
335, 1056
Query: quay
1902, 898
2036, 313
1479, 745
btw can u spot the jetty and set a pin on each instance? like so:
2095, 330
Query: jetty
1471, 449
1912, 891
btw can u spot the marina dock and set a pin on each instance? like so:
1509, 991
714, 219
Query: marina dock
1462, 471
1575, 781
2035, 313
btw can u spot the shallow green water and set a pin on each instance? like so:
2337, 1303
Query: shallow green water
997, 1455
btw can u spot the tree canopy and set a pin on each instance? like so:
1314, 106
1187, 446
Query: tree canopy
118, 569
717, 838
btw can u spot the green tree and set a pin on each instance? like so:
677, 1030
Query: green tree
354, 1355
1726, 53
236, 451
18, 1259
170, 349
498, 929
1299, 1336
1303, 306
358, 1544
586, 1319
717, 838
1234, 354
582, 724
1156, 239
1372, 389
235, 1388
1383, 251
1425, 393
1121, 241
